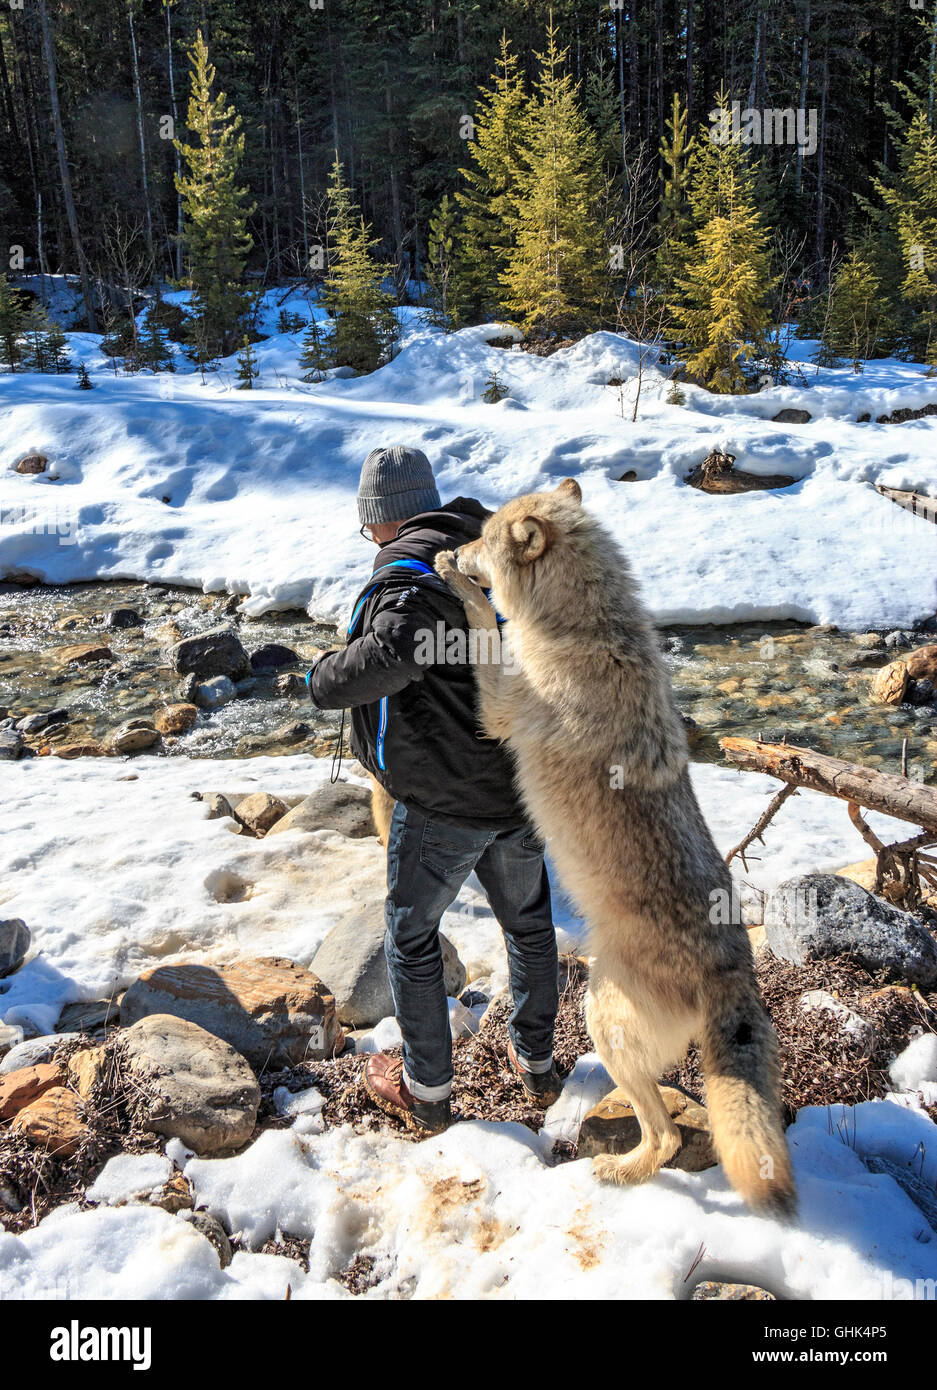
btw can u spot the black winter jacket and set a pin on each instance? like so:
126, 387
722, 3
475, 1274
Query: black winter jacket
414, 722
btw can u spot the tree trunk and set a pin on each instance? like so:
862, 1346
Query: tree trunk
394, 182
821, 153
690, 56
804, 77
175, 122
801, 767
138, 94
67, 193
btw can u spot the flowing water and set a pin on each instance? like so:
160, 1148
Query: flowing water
808, 684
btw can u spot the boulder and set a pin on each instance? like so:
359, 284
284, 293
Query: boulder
11, 1035
217, 652
259, 811
84, 653
200, 1089
14, 943
34, 1051
352, 964
26, 1084
272, 1010
922, 664
212, 694
175, 719
123, 618
11, 745
890, 683
791, 417
55, 1121
611, 1127
32, 463
271, 656
134, 737
340, 806
816, 916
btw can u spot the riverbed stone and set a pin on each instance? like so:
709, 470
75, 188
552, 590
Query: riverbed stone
218, 806
259, 811
271, 656
24, 1085
200, 1089
340, 806
270, 1009
922, 664
612, 1127
212, 694
217, 652
352, 964
35, 723
890, 683
175, 719
87, 1069
817, 916
134, 737
55, 1122
718, 1291
14, 943
84, 653
123, 618
83, 748
11, 1035
12, 744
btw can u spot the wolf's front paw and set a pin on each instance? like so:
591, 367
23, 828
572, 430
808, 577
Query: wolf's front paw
445, 565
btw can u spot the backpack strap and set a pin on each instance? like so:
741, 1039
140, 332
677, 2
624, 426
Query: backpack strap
420, 572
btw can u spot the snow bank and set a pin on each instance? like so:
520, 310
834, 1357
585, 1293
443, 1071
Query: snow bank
168, 478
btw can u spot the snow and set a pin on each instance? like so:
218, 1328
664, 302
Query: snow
916, 1068
126, 1176
260, 484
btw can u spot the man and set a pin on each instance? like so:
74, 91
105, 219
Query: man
415, 727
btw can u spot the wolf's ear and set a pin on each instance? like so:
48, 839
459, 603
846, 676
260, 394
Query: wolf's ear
531, 538
570, 488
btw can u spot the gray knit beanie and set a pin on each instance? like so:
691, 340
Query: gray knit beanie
396, 483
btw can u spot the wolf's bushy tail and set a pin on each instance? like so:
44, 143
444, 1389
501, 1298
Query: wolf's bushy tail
740, 1065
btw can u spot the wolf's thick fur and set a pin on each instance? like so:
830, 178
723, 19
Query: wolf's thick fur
382, 808
585, 704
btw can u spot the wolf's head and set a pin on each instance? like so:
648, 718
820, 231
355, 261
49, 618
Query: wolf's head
525, 551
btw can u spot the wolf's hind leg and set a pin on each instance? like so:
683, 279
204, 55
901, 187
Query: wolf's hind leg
619, 1044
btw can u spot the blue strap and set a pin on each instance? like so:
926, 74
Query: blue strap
417, 565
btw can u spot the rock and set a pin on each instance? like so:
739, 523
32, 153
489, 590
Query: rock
123, 618
201, 1090
186, 689
34, 1051
35, 723
174, 1196
14, 943
11, 745
869, 641
849, 1021
84, 653
89, 1016
894, 641
213, 1231
32, 463
890, 683
816, 916
55, 1121
919, 1192
11, 1035
352, 964
245, 689
87, 1069
218, 806
26, 1084
134, 738
922, 664
85, 749
271, 656
340, 806
611, 1127
791, 417
290, 684
294, 733
212, 694
259, 811
272, 1010
217, 652
713, 1290
921, 693
175, 719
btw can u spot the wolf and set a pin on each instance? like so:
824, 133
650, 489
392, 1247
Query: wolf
586, 706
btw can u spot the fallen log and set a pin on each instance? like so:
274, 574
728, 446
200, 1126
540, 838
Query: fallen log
914, 502
802, 767
717, 473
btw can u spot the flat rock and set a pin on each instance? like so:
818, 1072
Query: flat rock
33, 1051
14, 943
87, 1069
175, 719
711, 1290
84, 653
88, 1016
55, 1122
134, 738
816, 916
259, 811
201, 1090
83, 749
611, 1127
26, 1084
271, 1010
217, 652
340, 806
352, 964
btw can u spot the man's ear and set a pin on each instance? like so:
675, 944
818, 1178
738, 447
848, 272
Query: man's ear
570, 488
531, 538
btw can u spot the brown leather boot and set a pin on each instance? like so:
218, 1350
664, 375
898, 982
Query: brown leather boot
542, 1088
383, 1080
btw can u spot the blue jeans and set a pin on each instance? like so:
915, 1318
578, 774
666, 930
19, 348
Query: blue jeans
427, 863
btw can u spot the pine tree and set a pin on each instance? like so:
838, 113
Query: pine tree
56, 350
154, 345
84, 381
491, 186
675, 223
248, 371
860, 320
314, 358
447, 300
36, 329
556, 272
364, 325
910, 198
216, 236
11, 325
